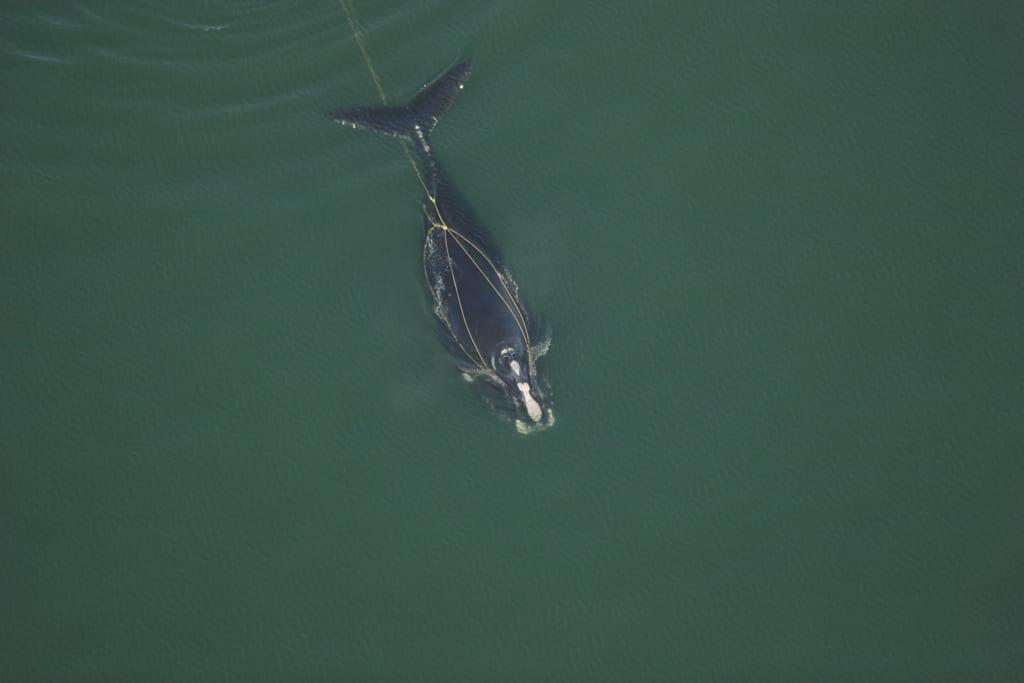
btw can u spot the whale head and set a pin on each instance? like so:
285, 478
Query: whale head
515, 370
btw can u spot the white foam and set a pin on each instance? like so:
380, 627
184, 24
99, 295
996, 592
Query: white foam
541, 349
527, 428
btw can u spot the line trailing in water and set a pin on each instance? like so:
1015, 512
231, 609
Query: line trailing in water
437, 220
358, 32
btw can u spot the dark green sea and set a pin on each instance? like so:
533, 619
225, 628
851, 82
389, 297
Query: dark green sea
779, 250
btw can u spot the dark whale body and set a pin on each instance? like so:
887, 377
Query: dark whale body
474, 298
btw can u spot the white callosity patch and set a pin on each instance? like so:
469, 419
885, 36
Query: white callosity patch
532, 407
515, 368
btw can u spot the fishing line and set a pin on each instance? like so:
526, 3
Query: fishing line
357, 33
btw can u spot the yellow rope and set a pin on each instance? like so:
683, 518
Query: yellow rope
517, 314
458, 298
444, 318
358, 33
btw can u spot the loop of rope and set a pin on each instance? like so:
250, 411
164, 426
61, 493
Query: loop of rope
437, 220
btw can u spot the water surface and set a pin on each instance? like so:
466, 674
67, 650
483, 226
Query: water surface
779, 251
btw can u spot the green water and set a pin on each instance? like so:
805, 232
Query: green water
779, 249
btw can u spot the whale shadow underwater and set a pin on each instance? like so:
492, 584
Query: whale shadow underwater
475, 299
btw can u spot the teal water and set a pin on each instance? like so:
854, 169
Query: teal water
779, 250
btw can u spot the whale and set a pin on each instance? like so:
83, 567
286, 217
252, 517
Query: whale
475, 299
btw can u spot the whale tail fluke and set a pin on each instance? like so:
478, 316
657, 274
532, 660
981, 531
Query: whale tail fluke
413, 121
